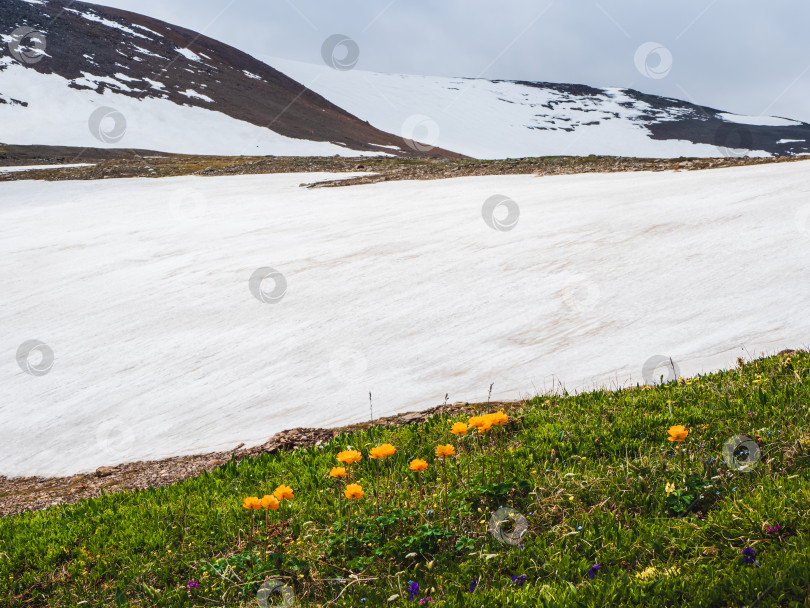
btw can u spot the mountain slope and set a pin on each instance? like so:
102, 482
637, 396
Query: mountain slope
500, 119
98, 76
165, 87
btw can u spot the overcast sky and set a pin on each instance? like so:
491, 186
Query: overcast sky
744, 56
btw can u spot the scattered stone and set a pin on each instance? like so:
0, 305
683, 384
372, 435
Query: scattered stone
105, 471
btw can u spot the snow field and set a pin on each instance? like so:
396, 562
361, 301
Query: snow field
141, 290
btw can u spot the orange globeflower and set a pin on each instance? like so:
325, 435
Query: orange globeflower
499, 418
459, 428
283, 492
443, 451
418, 465
337, 472
354, 491
269, 502
252, 502
382, 451
677, 433
475, 422
349, 456
486, 424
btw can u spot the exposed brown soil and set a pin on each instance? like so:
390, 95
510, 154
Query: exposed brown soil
560, 165
21, 494
138, 163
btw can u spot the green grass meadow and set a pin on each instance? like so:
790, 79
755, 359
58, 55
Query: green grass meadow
614, 513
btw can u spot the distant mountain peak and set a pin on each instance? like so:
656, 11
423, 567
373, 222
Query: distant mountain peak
78, 74
124, 60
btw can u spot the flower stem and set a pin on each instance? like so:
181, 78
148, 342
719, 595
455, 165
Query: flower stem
446, 489
469, 457
348, 528
377, 483
266, 533
500, 456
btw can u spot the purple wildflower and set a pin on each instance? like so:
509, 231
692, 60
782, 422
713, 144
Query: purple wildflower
413, 590
426, 600
772, 529
749, 556
192, 584
519, 580
474, 584
592, 571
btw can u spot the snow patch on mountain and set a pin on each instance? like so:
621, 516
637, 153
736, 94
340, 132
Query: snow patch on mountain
56, 113
762, 121
191, 93
40, 167
188, 54
501, 119
91, 16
